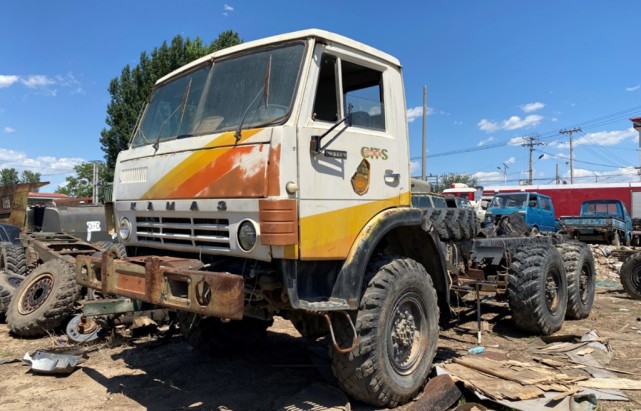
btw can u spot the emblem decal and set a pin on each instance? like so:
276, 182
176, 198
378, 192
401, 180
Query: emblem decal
360, 179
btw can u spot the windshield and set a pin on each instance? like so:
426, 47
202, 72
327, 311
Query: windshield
254, 89
509, 201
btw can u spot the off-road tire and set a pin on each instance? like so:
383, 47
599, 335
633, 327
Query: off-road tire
119, 250
453, 224
579, 267
630, 275
44, 299
13, 259
537, 289
211, 336
397, 328
8, 284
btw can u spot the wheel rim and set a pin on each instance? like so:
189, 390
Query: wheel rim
407, 336
35, 294
584, 283
552, 287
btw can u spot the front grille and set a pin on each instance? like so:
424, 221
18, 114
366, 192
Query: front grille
201, 233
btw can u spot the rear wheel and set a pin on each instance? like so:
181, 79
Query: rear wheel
579, 267
397, 329
44, 300
537, 289
631, 276
9, 282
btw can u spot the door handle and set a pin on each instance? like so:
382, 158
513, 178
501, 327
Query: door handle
392, 177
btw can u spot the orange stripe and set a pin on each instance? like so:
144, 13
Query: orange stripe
169, 186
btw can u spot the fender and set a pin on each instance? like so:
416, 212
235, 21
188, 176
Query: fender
349, 283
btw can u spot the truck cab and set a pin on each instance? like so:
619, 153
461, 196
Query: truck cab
537, 209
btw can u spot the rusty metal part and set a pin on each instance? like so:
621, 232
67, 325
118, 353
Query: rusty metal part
36, 294
49, 246
167, 282
331, 332
439, 394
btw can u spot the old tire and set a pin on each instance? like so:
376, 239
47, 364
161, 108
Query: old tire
453, 224
397, 329
212, 336
117, 249
8, 283
579, 267
631, 276
13, 259
44, 300
537, 289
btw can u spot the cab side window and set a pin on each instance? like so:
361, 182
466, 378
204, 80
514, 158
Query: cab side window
361, 89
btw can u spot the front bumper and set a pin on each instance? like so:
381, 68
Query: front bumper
173, 283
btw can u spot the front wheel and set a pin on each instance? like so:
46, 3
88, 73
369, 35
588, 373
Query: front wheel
397, 329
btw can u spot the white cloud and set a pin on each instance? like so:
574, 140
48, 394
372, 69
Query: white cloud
512, 123
6, 81
227, 9
36, 81
417, 112
516, 141
604, 138
9, 130
45, 165
530, 107
510, 160
484, 142
415, 168
484, 176
633, 88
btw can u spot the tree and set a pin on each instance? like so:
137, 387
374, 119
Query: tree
81, 185
131, 90
9, 177
29, 176
446, 180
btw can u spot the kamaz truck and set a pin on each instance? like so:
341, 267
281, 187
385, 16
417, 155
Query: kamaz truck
273, 178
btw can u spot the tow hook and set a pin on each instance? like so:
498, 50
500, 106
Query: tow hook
331, 331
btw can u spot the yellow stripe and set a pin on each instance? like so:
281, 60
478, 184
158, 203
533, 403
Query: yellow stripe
331, 235
195, 162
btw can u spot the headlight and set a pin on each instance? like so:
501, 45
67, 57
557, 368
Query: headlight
247, 235
125, 228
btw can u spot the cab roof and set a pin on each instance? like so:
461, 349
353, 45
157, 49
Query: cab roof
324, 36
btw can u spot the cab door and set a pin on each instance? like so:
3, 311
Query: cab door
347, 172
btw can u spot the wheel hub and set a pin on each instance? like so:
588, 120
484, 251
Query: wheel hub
406, 339
552, 291
36, 294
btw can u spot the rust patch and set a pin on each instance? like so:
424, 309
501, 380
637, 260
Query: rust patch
273, 172
131, 283
278, 222
360, 179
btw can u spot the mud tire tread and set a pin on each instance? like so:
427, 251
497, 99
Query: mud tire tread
365, 373
630, 275
527, 289
52, 312
577, 257
453, 224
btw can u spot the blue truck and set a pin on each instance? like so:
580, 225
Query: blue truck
537, 209
600, 220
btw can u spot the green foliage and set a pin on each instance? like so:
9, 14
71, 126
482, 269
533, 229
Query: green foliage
131, 90
10, 176
81, 185
446, 180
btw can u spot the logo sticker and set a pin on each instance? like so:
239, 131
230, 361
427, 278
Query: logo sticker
360, 179
374, 153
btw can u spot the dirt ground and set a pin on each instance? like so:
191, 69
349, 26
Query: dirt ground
167, 374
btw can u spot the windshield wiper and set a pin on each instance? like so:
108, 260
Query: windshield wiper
181, 107
264, 90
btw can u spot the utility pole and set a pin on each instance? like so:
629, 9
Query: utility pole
574, 130
558, 180
505, 167
423, 177
530, 142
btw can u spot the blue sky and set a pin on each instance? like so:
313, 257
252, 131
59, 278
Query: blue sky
496, 70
